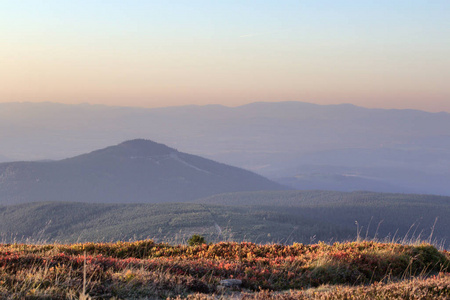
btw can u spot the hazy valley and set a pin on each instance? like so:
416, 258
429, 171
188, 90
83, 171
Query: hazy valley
299, 146
305, 146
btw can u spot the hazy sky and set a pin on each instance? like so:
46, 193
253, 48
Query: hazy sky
391, 54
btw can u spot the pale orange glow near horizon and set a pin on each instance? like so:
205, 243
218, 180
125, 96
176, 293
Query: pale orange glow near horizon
155, 55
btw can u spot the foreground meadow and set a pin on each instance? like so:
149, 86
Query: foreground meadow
147, 270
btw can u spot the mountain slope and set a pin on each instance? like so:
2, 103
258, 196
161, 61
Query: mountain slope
381, 215
134, 171
263, 216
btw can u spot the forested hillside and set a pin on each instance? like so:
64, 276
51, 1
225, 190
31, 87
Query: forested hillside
261, 217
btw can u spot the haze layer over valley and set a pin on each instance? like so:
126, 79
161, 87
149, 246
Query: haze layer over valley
302, 145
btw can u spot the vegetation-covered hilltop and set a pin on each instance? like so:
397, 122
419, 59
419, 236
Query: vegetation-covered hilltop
136, 171
145, 269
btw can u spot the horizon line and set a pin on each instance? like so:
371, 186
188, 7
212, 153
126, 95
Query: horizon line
222, 105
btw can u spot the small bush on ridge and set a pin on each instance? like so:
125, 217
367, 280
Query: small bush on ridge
195, 240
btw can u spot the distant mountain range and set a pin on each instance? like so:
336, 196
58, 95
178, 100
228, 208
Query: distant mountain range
136, 171
307, 146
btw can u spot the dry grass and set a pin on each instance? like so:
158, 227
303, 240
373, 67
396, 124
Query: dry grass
146, 270
435, 288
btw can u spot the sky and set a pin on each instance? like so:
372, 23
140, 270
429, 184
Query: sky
385, 54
